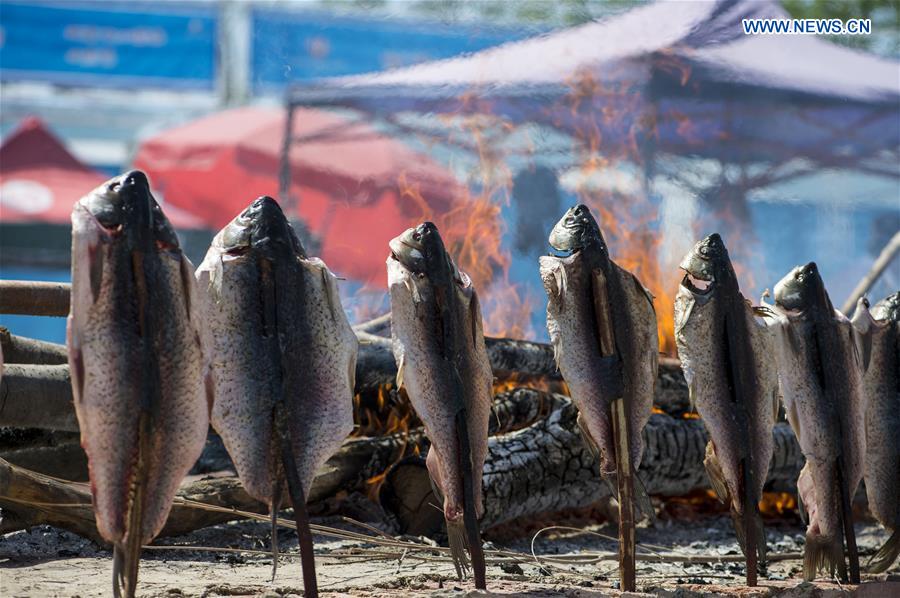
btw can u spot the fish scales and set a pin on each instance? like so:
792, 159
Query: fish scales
119, 373
428, 377
571, 321
879, 330
820, 375
726, 356
311, 371
438, 342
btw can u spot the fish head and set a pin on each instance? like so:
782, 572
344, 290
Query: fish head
421, 250
802, 290
707, 267
888, 309
262, 227
126, 210
577, 230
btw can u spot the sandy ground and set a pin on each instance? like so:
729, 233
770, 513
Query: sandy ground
48, 562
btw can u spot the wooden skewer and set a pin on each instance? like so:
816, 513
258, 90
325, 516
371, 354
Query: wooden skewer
622, 436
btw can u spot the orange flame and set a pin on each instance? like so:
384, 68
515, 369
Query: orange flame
472, 229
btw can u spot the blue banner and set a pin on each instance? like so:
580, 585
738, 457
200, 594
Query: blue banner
109, 44
290, 47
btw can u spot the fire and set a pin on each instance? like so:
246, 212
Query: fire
473, 230
777, 503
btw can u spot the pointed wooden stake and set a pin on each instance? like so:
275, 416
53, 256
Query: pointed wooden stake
626, 497
622, 436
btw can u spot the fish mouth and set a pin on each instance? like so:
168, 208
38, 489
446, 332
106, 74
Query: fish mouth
696, 285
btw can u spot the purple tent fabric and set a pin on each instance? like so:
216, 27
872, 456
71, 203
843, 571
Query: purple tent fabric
687, 62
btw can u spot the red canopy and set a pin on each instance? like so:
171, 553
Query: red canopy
40, 180
345, 177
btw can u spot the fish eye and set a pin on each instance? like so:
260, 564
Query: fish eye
114, 186
416, 236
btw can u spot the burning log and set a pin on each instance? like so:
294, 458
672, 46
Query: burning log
547, 468
536, 464
27, 385
37, 396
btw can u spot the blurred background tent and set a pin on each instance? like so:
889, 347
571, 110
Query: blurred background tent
678, 124
343, 174
665, 117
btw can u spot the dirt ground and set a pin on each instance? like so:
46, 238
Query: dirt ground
48, 562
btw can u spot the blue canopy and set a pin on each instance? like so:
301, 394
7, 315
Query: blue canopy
708, 88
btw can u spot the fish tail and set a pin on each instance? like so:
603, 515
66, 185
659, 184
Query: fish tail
470, 520
886, 555
276, 505
822, 553
301, 517
642, 498
456, 538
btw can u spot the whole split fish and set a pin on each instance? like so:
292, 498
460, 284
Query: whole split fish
727, 358
820, 373
443, 365
281, 360
880, 343
574, 285
135, 359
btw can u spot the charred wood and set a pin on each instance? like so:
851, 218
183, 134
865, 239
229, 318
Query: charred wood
37, 396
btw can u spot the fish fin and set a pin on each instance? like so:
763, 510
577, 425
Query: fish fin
470, 518
456, 538
641, 288
561, 282
865, 349
822, 554
716, 476
475, 317
801, 510
692, 392
97, 254
886, 555
400, 368
642, 499
588, 439
76, 360
187, 283
331, 293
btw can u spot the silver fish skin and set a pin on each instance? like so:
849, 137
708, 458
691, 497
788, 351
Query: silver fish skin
436, 353
135, 358
569, 283
305, 363
821, 379
879, 334
737, 401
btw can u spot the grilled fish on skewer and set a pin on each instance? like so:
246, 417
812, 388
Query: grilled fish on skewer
570, 283
820, 374
135, 359
880, 346
281, 360
443, 365
727, 360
